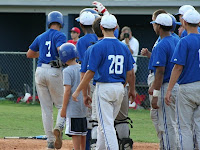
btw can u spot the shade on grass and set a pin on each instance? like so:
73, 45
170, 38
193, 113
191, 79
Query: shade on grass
26, 120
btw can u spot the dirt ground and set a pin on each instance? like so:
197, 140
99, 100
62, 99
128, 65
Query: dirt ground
29, 144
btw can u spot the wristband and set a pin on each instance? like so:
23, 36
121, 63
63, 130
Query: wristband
156, 93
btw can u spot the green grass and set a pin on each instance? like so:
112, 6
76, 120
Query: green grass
26, 120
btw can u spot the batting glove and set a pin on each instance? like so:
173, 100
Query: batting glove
100, 8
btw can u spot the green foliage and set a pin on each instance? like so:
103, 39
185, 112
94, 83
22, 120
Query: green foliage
26, 120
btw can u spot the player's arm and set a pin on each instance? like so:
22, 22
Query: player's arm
65, 100
176, 72
83, 84
159, 75
87, 99
32, 54
130, 77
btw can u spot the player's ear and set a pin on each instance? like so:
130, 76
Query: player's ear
184, 23
101, 27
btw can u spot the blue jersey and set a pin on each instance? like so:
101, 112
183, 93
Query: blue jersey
184, 33
111, 59
187, 53
84, 42
162, 55
150, 67
47, 44
175, 35
84, 64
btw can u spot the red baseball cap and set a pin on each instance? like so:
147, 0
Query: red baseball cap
75, 29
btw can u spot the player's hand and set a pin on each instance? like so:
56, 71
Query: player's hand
168, 97
131, 96
87, 101
75, 95
150, 91
100, 8
63, 113
154, 103
145, 52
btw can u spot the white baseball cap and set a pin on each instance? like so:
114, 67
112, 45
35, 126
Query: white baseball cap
183, 9
87, 18
163, 19
192, 16
109, 21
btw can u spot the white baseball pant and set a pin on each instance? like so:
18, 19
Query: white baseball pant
108, 102
50, 91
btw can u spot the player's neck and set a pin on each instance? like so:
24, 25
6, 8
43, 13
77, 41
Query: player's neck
88, 30
108, 34
99, 38
164, 34
192, 30
71, 62
55, 27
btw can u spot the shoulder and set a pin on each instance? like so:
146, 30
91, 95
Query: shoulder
58, 33
135, 40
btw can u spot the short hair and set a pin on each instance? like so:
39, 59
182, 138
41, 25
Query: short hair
86, 26
55, 23
96, 27
193, 25
126, 28
158, 12
165, 28
109, 30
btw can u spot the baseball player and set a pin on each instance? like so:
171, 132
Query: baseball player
86, 19
146, 52
161, 61
113, 61
48, 77
183, 9
84, 65
186, 70
75, 112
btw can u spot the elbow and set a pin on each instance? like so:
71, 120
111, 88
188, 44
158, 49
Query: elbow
28, 55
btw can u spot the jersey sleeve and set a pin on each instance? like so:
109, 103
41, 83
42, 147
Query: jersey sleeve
180, 54
35, 45
84, 64
160, 56
67, 77
94, 59
61, 39
81, 48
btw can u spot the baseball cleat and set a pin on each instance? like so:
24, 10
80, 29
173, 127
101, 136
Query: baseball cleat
58, 136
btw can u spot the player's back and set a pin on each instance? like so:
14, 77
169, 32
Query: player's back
115, 60
190, 52
47, 44
84, 42
163, 54
71, 76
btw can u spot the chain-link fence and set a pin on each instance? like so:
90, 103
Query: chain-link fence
17, 76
